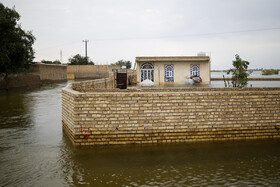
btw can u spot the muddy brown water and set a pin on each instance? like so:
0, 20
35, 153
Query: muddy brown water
35, 152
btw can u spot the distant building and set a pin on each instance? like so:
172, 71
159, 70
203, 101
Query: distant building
173, 70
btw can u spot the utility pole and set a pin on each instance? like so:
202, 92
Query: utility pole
61, 56
86, 41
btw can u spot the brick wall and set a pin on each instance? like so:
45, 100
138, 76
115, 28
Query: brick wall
170, 115
131, 77
89, 71
68, 112
104, 83
90, 75
20, 80
49, 72
93, 84
39, 73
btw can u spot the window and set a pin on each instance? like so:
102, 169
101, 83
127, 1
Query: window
195, 70
169, 73
147, 72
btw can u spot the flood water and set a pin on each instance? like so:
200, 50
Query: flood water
35, 152
253, 74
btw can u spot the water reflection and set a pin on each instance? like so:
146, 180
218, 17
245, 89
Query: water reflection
254, 74
217, 84
27, 157
218, 163
14, 111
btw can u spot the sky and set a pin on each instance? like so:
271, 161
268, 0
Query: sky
125, 29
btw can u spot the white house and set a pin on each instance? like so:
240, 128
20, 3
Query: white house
173, 70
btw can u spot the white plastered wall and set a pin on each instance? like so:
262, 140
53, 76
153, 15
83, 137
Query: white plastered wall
182, 71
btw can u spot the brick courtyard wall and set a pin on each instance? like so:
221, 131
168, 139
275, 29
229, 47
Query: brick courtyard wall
104, 83
111, 116
89, 71
37, 75
49, 72
20, 80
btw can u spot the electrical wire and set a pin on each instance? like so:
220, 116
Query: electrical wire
190, 35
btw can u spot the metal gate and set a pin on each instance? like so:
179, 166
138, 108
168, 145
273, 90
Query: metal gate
121, 80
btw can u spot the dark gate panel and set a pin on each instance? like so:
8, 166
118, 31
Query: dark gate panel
122, 80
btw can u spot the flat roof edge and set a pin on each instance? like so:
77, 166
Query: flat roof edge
173, 58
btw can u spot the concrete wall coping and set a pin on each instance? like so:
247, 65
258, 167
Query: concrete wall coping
174, 59
98, 91
68, 88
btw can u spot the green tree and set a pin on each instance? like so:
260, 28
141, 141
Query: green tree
239, 72
123, 63
80, 60
51, 62
16, 52
56, 62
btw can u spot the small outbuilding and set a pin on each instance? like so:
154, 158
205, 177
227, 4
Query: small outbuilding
173, 70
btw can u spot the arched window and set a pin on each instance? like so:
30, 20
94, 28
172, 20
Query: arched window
169, 73
147, 72
195, 70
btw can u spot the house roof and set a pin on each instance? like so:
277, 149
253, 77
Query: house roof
173, 59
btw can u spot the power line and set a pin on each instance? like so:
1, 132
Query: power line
189, 35
162, 37
59, 45
169, 36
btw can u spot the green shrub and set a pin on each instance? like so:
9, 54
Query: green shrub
270, 72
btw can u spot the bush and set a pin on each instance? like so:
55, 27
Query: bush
239, 72
270, 72
121, 63
80, 60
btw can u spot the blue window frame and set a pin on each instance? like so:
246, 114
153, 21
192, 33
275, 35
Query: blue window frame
169, 73
195, 70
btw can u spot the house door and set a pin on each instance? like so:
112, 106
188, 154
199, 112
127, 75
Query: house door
147, 72
122, 80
